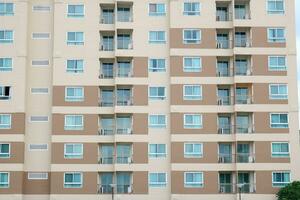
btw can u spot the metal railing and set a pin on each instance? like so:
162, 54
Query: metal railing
124, 17
245, 158
225, 100
243, 99
124, 44
223, 44
242, 70
124, 101
242, 42
119, 189
244, 129
223, 16
107, 18
225, 129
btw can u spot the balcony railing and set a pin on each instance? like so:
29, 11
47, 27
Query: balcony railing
245, 158
226, 158
107, 18
124, 101
224, 100
106, 73
124, 17
223, 16
119, 189
106, 102
244, 129
106, 160
123, 159
247, 187
104, 189
124, 44
106, 131
242, 70
119, 159
226, 188
223, 44
124, 73
243, 99
225, 129
242, 42
224, 72
124, 131
124, 189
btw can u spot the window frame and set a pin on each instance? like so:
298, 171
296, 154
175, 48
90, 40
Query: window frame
150, 69
75, 70
5, 13
270, 68
185, 41
155, 98
193, 97
157, 155
193, 154
157, 41
192, 69
275, 12
157, 125
7, 41
72, 15
284, 183
75, 42
10, 121
79, 183
157, 184
80, 128
6, 69
276, 39
280, 154
8, 180
279, 123
273, 96
73, 155
157, 14
6, 155
191, 13
191, 126
191, 184
74, 98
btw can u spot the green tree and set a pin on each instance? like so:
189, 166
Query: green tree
290, 192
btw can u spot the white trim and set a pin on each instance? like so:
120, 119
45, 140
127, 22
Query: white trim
12, 64
75, 16
282, 40
186, 155
157, 125
9, 145
277, 56
157, 14
10, 123
277, 85
13, 36
157, 41
270, 119
273, 172
75, 59
73, 155
198, 13
155, 98
198, 41
158, 184
289, 152
75, 41
82, 122
200, 183
8, 178
164, 155
185, 97
191, 114
79, 183
267, 8
191, 57
74, 99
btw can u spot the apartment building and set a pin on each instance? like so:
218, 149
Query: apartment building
147, 99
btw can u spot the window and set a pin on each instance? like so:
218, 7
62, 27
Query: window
280, 149
6, 9
4, 150
278, 91
193, 179
275, 6
38, 147
73, 122
37, 176
191, 36
157, 179
73, 151
157, 9
192, 92
157, 65
276, 35
5, 121
40, 35
157, 121
193, 150
41, 8
75, 66
157, 93
75, 10
192, 121
191, 8
5, 92
280, 179
157, 150
5, 64
192, 64
277, 63
38, 118
157, 37
4, 179
75, 38
40, 63
6, 36
73, 180
74, 94
279, 120
39, 90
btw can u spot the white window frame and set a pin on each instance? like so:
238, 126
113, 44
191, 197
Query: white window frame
160, 69
157, 155
157, 97
72, 15
41, 8
74, 127
276, 39
279, 68
282, 154
192, 69
39, 144
6, 125
279, 186
192, 126
73, 70
157, 14
73, 155
45, 36
273, 96
275, 12
157, 125
32, 92
157, 41
8, 154
38, 121
191, 13
74, 98
279, 123
158, 184
7, 41
8, 180
7, 69
193, 154
193, 184
40, 177
197, 41
8, 14
73, 183
75, 42
192, 97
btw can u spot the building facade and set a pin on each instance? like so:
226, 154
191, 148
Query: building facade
147, 99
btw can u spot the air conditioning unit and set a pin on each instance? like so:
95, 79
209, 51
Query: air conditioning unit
221, 131
130, 46
220, 102
222, 189
128, 131
101, 190
251, 159
101, 131
219, 45
221, 159
129, 189
129, 160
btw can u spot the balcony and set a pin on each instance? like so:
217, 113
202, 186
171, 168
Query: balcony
124, 125
242, 10
242, 66
243, 95
106, 70
124, 68
107, 41
223, 67
223, 39
223, 12
242, 38
124, 97
107, 125
123, 154
124, 14
106, 98
107, 185
224, 95
107, 14
124, 41
224, 124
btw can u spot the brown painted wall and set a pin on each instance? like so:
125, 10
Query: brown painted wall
264, 183
140, 67
140, 182
260, 38
208, 39
90, 96
209, 95
210, 153
210, 183
209, 121
260, 67
140, 123
15, 184
90, 122
17, 124
16, 153
90, 154
262, 124
261, 95
36, 186
140, 152
89, 184
208, 67
140, 95
263, 153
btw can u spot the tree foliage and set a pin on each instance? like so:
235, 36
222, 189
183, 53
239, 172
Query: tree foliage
290, 192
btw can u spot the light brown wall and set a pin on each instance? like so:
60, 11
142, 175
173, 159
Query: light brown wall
140, 182
208, 67
260, 38
209, 95
210, 153
16, 153
90, 122
209, 121
140, 95
210, 183
140, 67
264, 183
262, 124
261, 95
140, 123
263, 153
90, 96
260, 67
17, 124
89, 184
15, 183
140, 152
90, 154
208, 39
36, 186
